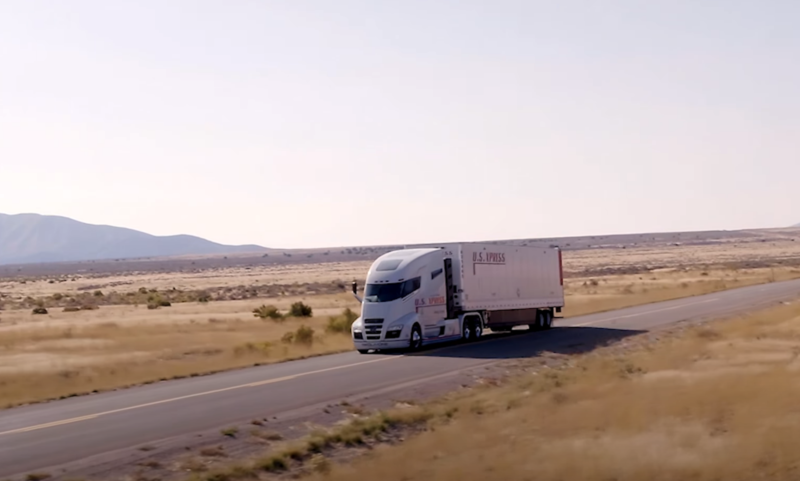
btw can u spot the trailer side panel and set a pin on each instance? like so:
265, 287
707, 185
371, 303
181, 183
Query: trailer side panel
499, 277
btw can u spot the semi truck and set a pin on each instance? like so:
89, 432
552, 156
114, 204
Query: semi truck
421, 296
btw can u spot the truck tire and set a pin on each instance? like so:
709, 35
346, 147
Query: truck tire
466, 329
415, 339
471, 330
477, 328
547, 319
540, 322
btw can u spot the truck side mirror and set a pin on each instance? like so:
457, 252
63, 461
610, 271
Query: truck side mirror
355, 292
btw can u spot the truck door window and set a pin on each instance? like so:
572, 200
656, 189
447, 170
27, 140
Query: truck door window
410, 286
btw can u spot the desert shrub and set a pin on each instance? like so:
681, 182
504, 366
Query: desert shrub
341, 324
268, 312
72, 309
203, 297
299, 309
98, 293
253, 348
142, 290
58, 296
89, 307
304, 335
158, 301
39, 310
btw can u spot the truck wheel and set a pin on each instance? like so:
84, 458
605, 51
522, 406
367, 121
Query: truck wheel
415, 341
538, 324
466, 329
477, 329
547, 320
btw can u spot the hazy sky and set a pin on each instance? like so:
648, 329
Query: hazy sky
324, 123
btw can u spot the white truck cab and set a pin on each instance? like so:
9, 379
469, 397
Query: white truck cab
422, 296
404, 296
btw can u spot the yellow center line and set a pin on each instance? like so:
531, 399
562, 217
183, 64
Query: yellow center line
645, 313
206, 393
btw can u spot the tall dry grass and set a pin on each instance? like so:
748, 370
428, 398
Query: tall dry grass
589, 295
51, 362
62, 354
718, 402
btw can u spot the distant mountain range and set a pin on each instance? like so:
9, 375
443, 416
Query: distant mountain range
30, 238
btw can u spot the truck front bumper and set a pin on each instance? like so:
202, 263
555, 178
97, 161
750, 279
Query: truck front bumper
380, 344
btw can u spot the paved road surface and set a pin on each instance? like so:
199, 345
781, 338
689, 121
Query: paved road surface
38, 437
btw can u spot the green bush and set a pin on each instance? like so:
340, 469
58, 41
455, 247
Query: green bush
268, 312
300, 309
341, 324
304, 335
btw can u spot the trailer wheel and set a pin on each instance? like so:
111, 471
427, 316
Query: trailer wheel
415, 340
539, 322
547, 320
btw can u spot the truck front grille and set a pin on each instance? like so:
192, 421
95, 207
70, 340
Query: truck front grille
373, 329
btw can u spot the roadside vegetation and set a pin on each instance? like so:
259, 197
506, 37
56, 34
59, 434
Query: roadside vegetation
704, 402
90, 348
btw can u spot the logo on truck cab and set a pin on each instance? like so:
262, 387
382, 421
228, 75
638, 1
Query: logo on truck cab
489, 257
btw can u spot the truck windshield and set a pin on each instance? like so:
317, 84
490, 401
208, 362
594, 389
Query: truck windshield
382, 292
390, 292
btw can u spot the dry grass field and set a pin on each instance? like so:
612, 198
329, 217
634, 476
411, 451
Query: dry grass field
67, 353
686, 407
587, 295
704, 403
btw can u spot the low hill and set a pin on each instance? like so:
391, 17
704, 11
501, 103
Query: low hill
31, 238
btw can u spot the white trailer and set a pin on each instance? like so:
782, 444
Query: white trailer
415, 297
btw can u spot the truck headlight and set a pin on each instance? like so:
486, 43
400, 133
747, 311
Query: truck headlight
394, 331
358, 329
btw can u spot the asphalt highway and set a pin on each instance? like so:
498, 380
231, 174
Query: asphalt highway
43, 436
